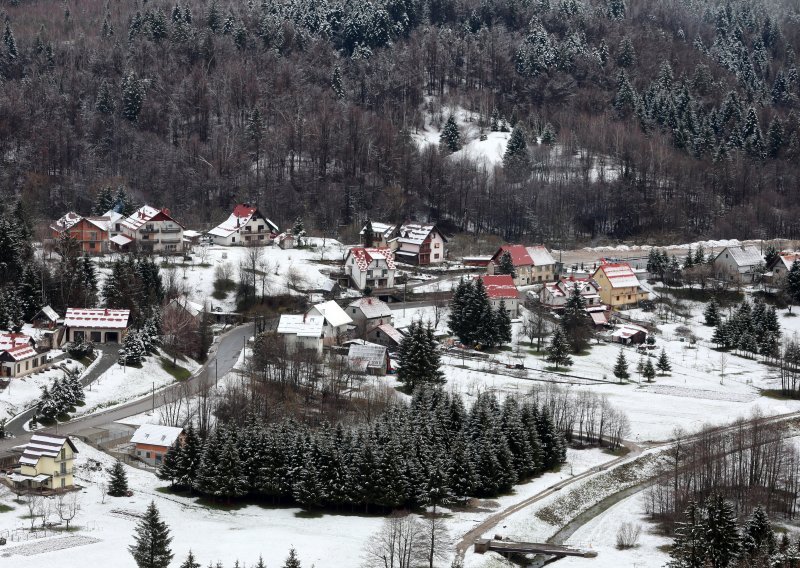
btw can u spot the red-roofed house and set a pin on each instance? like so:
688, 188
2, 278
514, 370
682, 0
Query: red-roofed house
501, 288
619, 285
245, 226
91, 233
532, 264
98, 325
370, 267
152, 230
18, 355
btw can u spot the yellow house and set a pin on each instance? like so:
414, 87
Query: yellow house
47, 462
619, 286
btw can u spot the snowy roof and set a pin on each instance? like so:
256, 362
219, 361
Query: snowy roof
372, 307
540, 256
619, 274
519, 255
121, 240
383, 229
12, 340
598, 317
301, 325
367, 355
190, 234
193, 308
156, 435
390, 332
21, 352
788, 259
500, 286
332, 313
113, 216
744, 256
96, 317
67, 221
628, 330
415, 234
242, 214
101, 222
144, 214
365, 256
21, 477
49, 313
46, 445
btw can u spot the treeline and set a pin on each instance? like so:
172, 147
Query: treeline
312, 109
60, 398
750, 465
751, 329
428, 452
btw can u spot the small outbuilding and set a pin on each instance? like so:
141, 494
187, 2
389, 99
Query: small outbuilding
368, 358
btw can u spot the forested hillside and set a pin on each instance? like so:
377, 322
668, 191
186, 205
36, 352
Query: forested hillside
310, 107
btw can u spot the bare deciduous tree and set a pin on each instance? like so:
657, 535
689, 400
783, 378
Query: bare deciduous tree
400, 543
67, 507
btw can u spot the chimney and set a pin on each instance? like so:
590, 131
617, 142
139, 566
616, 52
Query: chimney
106, 312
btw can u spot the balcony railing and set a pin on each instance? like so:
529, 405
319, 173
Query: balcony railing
170, 229
64, 473
149, 230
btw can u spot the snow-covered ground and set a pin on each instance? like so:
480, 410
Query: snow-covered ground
22, 392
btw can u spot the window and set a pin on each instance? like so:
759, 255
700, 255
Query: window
629, 296
63, 468
436, 246
260, 237
63, 482
91, 244
93, 235
63, 454
147, 455
436, 255
233, 239
138, 453
354, 310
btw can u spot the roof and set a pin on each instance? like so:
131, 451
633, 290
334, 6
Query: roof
367, 355
365, 256
144, 214
12, 340
65, 222
190, 234
121, 240
156, 435
598, 317
242, 214
628, 330
390, 332
383, 229
97, 317
500, 286
744, 256
414, 233
47, 445
519, 255
19, 477
47, 312
619, 274
21, 352
301, 325
101, 222
372, 307
540, 256
332, 313
193, 308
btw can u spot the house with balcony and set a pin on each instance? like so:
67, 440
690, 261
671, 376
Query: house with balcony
98, 325
91, 233
619, 286
532, 265
370, 267
420, 245
47, 463
377, 235
150, 230
246, 225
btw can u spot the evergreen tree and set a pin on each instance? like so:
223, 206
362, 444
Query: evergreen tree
207, 479
104, 104
616, 9
169, 469
292, 561
190, 561
231, 482
506, 265
574, 320
774, 138
118, 480
336, 83
189, 458
793, 282
516, 160
502, 324
770, 254
626, 54
663, 364
494, 120
548, 135
689, 548
649, 372
711, 313
214, 18
10, 42
132, 97
758, 538
721, 533
133, 349
418, 359
621, 367
151, 547
558, 350
450, 139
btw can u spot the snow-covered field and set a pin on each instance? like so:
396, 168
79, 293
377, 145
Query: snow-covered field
24, 391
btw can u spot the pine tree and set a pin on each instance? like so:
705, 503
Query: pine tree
104, 104
494, 120
558, 350
188, 462
506, 265
516, 160
118, 480
548, 135
721, 533
689, 548
626, 56
214, 18
621, 367
616, 10
450, 139
649, 372
292, 561
663, 364
190, 561
133, 349
758, 538
793, 282
502, 324
711, 313
170, 464
208, 480
151, 547
231, 482
132, 97
418, 358
774, 138
336, 83
10, 42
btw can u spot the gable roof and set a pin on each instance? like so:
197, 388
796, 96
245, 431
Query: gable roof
540, 256
10, 341
619, 274
96, 317
500, 286
301, 325
333, 313
44, 445
192, 308
383, 229
787, 259
365, 256
744, 256
145, 214
48, 313
156, 435
366, 355
415, 233
20, 352
67, 221
390, 332
372, 307
519, 255
242, 214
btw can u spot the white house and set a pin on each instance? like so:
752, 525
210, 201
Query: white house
98, 325
302, 332
738, 264
381, 234
153, 230
337, 322
782, 264
419, 244
19, 357
370, 267
368, 313
500, 288
554, 295
245, 226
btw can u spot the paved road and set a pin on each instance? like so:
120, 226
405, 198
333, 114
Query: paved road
222, 358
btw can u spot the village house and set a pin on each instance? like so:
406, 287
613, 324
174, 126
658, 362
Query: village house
738, 264
98, 325
420, 245
619, 286
532, 265
47, 463
91, 233
285, 241
152, 230
368, 313
245, 226
337, 322
781, 266
191, 239
151, 442
370, 267
377, 235
500, 288
386, 335
368, 359
19, 356
302, 332
629, 334
554, 295
45, 318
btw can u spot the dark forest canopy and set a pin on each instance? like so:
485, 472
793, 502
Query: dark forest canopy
309, 108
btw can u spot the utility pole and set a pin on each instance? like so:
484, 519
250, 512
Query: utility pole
216, 376
154, 396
